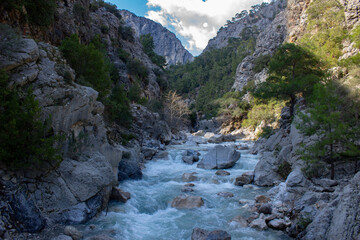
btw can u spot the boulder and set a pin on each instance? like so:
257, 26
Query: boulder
245, 178
278, 224
225, 194
189, 177
296, 179
189, 185
262, 199
148, 152
190, 156
162, 155
187, 189
240, 220
222, 138
265, 208
222, 173
259, 224
199, 133
129, 170
202, 234
73, 232
119, 195
219, 157
265, 173
209, 135
187, 202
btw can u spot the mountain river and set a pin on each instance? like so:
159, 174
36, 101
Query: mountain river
148, 215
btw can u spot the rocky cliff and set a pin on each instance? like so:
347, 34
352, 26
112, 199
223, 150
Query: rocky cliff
166, 43
80, 186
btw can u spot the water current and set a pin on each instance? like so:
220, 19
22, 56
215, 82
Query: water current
148, 215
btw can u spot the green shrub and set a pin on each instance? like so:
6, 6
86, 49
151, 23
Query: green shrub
147, 42
80, 12
25, 140
104, 29
266, 132
108, 6
155, 105
126, 33
123, 55
137, 69
89, 63
284, 169
261, 62
117, 107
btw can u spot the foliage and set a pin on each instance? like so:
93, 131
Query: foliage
126, 33
108, 6
212, 73
261, 62
336, 131
117, 106
126, 138
39, 12
292, 70
147, 42
284, 169
80, 12
123, 55
25, 140
266, 132
355, 36
90, 64
134, 94
325, 30
232, 105
137, 69
267, 112
176, 109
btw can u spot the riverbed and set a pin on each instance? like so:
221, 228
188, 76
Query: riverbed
148, 215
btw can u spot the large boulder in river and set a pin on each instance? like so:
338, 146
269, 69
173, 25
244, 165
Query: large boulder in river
219, 157
190, 156
129, 170
202, 234
187, 202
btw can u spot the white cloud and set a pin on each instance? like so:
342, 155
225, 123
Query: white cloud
196, 20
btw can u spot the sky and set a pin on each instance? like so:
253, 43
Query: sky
194, 22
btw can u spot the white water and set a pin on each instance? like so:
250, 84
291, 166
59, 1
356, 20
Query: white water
149, 216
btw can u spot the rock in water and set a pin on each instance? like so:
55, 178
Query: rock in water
190, 156
245, 178
119, 195
129, 169
219, 157
187, 202
202, 234
189, 177
73, 232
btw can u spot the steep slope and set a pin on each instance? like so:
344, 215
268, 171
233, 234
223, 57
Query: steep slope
166, 43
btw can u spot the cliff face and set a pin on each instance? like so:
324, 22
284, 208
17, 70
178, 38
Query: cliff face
166, 43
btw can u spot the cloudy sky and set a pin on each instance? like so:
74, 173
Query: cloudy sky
193, 21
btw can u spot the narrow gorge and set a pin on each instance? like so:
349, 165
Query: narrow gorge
111, 129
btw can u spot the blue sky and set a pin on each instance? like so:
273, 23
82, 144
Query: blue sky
194, 22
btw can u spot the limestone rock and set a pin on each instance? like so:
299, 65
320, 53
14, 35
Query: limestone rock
119, 195
222, 173
219, 157
190, 156
265, 208
225, 194
262, 199
129, 170
245, 178
189, 177
259, 224
278, 224
265, 173
202, 234
187, 202
73, 232
242, 221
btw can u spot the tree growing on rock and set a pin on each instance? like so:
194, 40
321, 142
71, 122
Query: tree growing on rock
292, 71
336, 134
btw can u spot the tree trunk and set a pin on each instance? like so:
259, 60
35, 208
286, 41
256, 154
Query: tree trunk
292, 105
332, 176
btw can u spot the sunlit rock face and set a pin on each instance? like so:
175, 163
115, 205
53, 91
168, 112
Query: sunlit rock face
166, 43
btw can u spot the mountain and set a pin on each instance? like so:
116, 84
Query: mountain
166, 43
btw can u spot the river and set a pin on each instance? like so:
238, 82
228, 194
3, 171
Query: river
148, 215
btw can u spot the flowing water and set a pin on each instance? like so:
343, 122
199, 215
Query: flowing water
148, 215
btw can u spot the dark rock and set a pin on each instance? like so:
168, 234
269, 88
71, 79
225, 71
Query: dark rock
242, 221
187, 189
220, 157
262, 199
245, 178
225, 194
190, 156
189, 177
149, 153
278, 224
222, 173
222, 138
129, 170
202, 234
24, 214
119, 195
187, 202
258, 223
189, 185
265, 208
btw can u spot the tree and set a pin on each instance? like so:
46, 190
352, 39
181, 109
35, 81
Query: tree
292, 71
327, 119
25, 140
148, 45
176, 108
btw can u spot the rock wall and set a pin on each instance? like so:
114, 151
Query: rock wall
166, 43
79, 188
